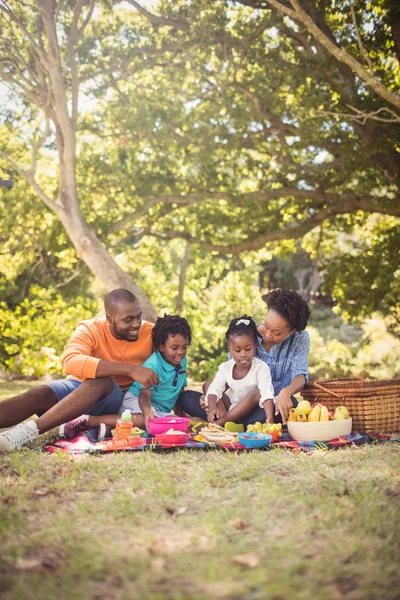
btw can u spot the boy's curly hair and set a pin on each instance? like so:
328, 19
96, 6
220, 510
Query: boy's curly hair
289, 305
241, 326
170, 325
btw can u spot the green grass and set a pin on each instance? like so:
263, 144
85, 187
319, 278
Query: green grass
165, 526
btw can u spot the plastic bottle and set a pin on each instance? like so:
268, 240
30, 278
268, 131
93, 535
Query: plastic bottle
124, 426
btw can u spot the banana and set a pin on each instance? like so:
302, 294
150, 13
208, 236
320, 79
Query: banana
315, 414
324, 416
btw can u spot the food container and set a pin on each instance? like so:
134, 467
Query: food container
172, 438
373, 404
320, 431
163, 424
252, 439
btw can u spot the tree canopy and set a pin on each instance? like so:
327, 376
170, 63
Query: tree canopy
234, 126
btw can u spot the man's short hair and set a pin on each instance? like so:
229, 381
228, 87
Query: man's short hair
115, 297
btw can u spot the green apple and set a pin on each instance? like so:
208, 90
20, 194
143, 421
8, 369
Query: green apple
341, 412
304, 407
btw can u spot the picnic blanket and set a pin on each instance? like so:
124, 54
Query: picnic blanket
86, 442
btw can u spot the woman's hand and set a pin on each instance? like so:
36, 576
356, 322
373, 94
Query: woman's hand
283, 404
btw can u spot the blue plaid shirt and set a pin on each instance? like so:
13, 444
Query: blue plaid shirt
287, 359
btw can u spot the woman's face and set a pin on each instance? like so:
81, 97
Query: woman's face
275, 329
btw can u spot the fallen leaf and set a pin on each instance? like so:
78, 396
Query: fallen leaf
158, 564
236, 523
77, 457
176, 512
44, 492
28, 564
62, 470
251, 560
44, 565
175, 542
9, 500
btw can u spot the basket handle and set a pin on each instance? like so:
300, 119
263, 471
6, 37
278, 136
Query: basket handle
327, 390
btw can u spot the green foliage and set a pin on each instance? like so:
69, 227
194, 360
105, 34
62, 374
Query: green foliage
34, 333
341, 350
373, 265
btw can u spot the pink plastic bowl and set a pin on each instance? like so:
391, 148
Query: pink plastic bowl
163, 424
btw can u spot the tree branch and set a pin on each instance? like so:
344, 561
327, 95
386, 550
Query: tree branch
364, 53
300, 15
291, 231
31, 180
181, 24
359, 116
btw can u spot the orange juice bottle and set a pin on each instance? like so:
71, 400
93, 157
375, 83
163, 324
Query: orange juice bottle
124, 426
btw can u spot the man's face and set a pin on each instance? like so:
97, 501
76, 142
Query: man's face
125, 321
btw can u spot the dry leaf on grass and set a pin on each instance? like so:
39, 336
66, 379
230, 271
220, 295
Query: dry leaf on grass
43, 492
251, 559
158, 564
176, 512
38, 565
175, 542
63, 470
236, 523
77, 457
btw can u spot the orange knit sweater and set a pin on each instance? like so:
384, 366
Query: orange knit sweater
92, 342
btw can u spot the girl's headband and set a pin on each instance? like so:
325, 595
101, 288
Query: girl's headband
244, 321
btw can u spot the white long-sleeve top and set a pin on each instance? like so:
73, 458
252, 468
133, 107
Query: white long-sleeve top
259, 377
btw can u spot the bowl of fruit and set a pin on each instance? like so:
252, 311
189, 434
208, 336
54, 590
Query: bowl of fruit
273, 429
253, 439
316, 423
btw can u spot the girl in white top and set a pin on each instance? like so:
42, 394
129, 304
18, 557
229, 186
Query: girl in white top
242, 382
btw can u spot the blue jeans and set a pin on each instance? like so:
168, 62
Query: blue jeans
190, 402
109, 405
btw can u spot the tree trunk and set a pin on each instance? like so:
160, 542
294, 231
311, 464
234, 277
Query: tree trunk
100, 262
182, 278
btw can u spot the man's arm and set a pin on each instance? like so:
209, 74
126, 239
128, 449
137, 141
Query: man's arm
143, 375
78, 361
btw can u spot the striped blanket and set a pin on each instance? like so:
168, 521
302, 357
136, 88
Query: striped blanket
86, 443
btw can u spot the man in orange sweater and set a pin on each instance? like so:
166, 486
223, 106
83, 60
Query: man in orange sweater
102, 359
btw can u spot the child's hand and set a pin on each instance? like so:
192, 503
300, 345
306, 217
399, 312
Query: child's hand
203, 404
150, 416
212, 415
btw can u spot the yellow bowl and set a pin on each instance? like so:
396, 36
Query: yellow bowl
321, 431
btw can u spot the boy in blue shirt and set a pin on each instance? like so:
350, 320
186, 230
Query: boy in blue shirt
171, 336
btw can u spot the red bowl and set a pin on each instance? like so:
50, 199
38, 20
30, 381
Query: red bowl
172, 438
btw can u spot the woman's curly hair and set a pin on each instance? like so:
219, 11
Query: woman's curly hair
170, 325
290, 306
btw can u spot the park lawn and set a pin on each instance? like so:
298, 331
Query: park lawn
169, 525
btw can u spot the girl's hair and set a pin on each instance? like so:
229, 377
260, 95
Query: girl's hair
242, 326
169, 325
289, 305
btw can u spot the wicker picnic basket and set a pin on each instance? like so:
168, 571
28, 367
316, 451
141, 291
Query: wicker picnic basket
373, 404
